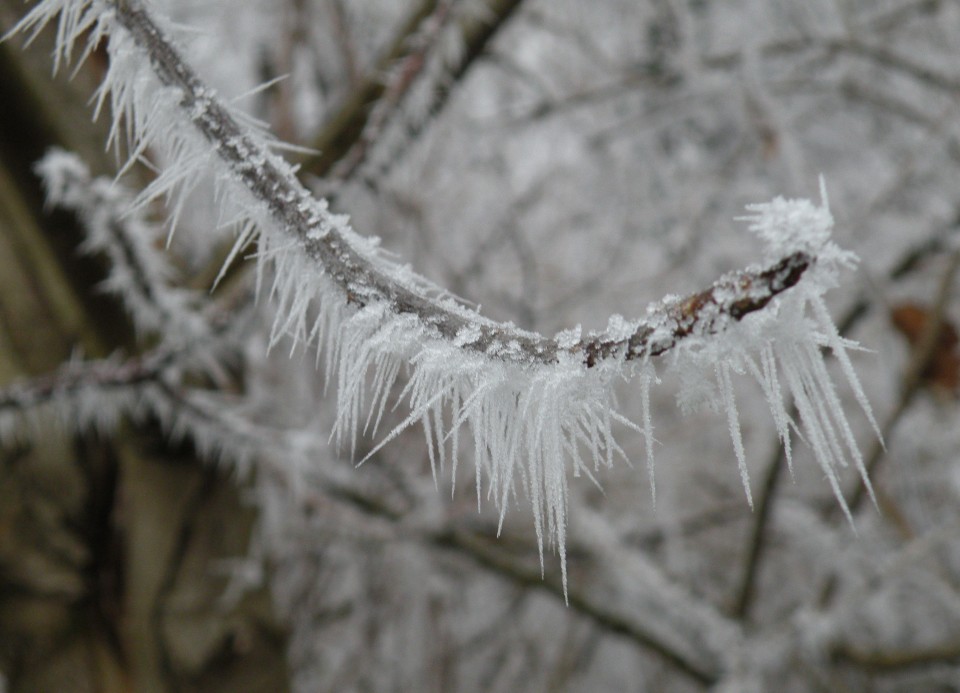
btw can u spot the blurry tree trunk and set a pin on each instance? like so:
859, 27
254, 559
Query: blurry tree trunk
106, 547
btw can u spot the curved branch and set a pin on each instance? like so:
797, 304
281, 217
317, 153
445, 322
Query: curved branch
324, 240
543, 389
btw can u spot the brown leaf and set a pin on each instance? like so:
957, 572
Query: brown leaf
943, 371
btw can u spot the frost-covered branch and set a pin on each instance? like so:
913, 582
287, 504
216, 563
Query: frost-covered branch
97, 394
328, 241
105, 374
537, 406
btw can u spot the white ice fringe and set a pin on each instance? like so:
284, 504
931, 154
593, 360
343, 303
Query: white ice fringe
530, 418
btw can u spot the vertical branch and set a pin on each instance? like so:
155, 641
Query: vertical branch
402, 77
759, 534
746, 592
347, 128
920, 361
477, 35
345, 41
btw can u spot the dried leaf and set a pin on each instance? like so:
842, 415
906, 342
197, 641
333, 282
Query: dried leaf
943, 370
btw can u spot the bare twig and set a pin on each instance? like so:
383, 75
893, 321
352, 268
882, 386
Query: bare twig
345, 41
686, 657
347, 126
920, 361
900, 63
703, 669
746, 592
898, 661
477, 34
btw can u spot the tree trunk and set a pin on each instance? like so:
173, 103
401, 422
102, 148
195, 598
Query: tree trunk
109, 550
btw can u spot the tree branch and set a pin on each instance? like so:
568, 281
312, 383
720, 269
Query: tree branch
589, 604
275, 185
687, 657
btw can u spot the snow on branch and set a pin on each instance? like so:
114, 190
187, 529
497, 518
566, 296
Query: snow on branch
97, 394
138, 273
87, 395
537, 407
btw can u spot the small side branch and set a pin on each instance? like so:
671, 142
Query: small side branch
105, 374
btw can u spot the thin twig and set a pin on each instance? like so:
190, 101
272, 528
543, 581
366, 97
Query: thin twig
346, 127
703, 670
889, 59
587, 604
402, 77
920, 361
477, 35
746, 592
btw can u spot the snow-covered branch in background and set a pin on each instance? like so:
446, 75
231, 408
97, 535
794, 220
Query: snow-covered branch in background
97, 394
537, 407
138, 273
